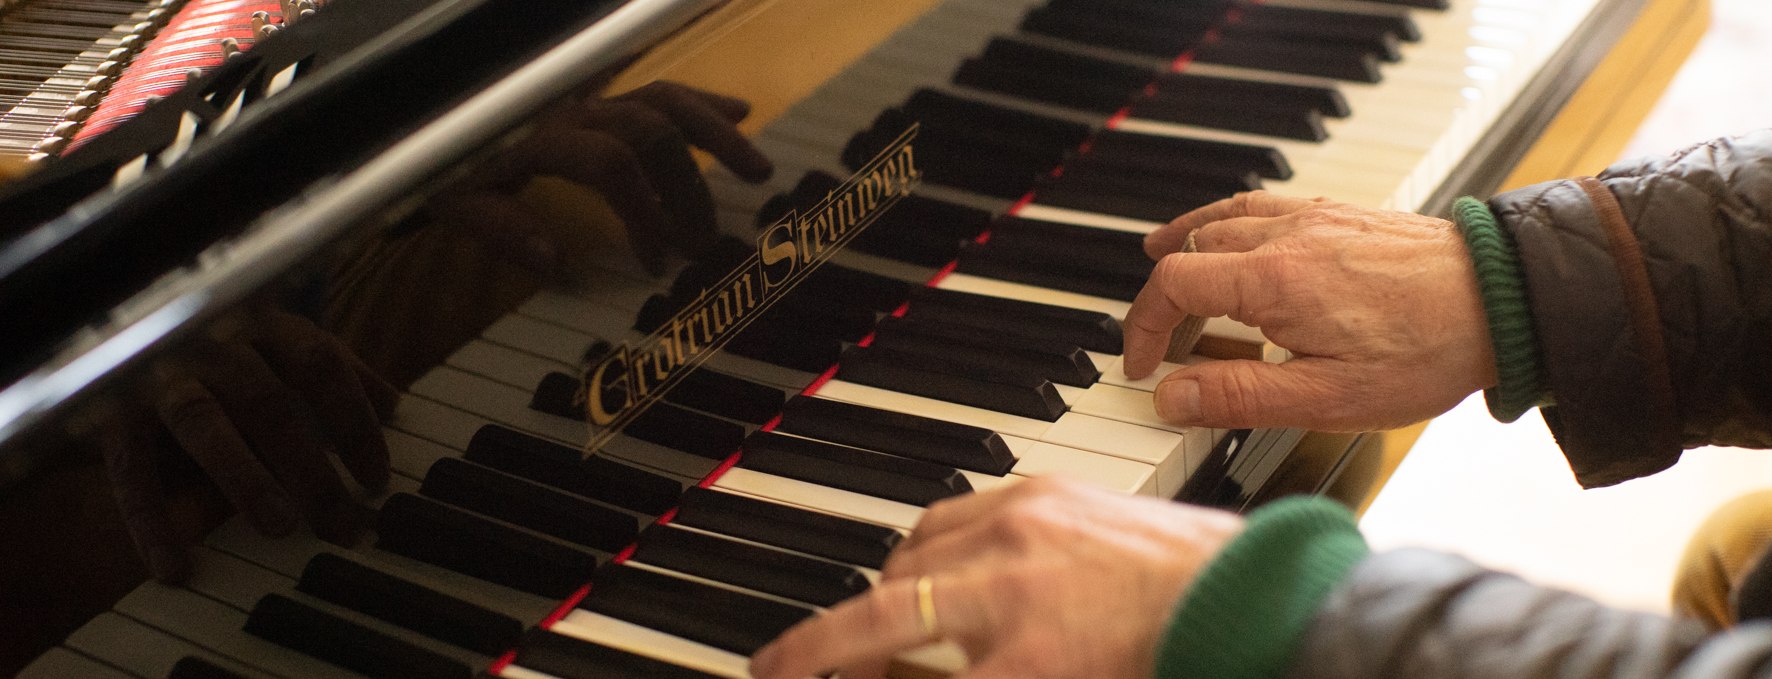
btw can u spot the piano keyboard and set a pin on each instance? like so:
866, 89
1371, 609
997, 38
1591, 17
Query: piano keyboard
492, 521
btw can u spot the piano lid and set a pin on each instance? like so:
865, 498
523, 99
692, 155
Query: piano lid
498, 228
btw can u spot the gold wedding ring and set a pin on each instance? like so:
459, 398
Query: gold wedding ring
926, 607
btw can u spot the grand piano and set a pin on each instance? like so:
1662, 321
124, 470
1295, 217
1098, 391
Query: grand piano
668, 316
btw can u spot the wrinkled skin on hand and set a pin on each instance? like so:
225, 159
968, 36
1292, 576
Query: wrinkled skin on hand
1045, 579
1380, 310
260, 403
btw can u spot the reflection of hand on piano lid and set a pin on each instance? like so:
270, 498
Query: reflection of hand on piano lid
633, 151
1379, 308
257, 404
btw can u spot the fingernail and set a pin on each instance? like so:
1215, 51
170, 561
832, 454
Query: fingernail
1178, 400
763, 662
274, 514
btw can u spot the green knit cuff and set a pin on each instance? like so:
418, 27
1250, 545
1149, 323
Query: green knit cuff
1244, 614
1501, 282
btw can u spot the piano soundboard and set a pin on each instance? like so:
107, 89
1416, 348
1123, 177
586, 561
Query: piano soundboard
967, 340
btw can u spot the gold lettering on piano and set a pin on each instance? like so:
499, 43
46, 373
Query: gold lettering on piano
619, 386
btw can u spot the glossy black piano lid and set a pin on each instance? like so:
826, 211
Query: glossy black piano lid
489, 245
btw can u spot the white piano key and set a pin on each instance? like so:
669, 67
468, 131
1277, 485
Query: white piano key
61, 663
1038, 458
514, 368
546, 340
141, 650
874, 397
1115, 374
411, 456
501, 403
1126, 405
218, 628
820, 498
1167, 452
620, 634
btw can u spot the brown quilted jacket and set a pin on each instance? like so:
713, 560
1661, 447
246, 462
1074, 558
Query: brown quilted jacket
1645, 355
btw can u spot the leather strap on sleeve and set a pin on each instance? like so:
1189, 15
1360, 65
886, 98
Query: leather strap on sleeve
1633, 276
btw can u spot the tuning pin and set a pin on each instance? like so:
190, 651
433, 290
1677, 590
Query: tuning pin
157, 15
50, 146
87, 98
131, 42
306, 13
193, 75
108, 68
145, 29
97, 83
77, 113
120, 54
260, 20
229, 48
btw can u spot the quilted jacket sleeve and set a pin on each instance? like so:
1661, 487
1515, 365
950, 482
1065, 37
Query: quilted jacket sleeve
1702, 221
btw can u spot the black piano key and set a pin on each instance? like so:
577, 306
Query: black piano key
1067, 353
558, 394
792, 348
1425, 4
193, 667
1053, 87
727, 396
1056, 273
429, 531
940, 109
1295, 123
1107, 179
1304, 58
530, 505
702, 389
941, 377
1373, 34
341, 581
1016, 52
567, 468
920, 438
293, 624
687, 431
1119, 252
1057, 362
719, 617
1182, 156
881, 293
801, 530
1325, 100
1099, 197
801, 578
929, 250
1091, 330
863, 471
1167, 39
569, 658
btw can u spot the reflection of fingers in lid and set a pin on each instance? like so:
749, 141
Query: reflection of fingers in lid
197, 421
319, 367
132, 463
710, 122
279, 427
663, 153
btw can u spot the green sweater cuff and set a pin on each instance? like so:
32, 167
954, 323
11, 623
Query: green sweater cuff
1501, 282
1244, 614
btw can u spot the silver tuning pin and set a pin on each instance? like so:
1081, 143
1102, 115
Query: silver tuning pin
229, 48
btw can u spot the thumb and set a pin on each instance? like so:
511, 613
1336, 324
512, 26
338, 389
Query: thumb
1302, 392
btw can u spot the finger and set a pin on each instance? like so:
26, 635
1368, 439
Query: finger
1239, 234
603, 162
868, 669
382, 394
318, 366
130, 461
273, 420
1003, 664
663, 153
1201, 284
1238, 394
708, 120
947, 551
952, 513
197, 421
866, 629
1169, 238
